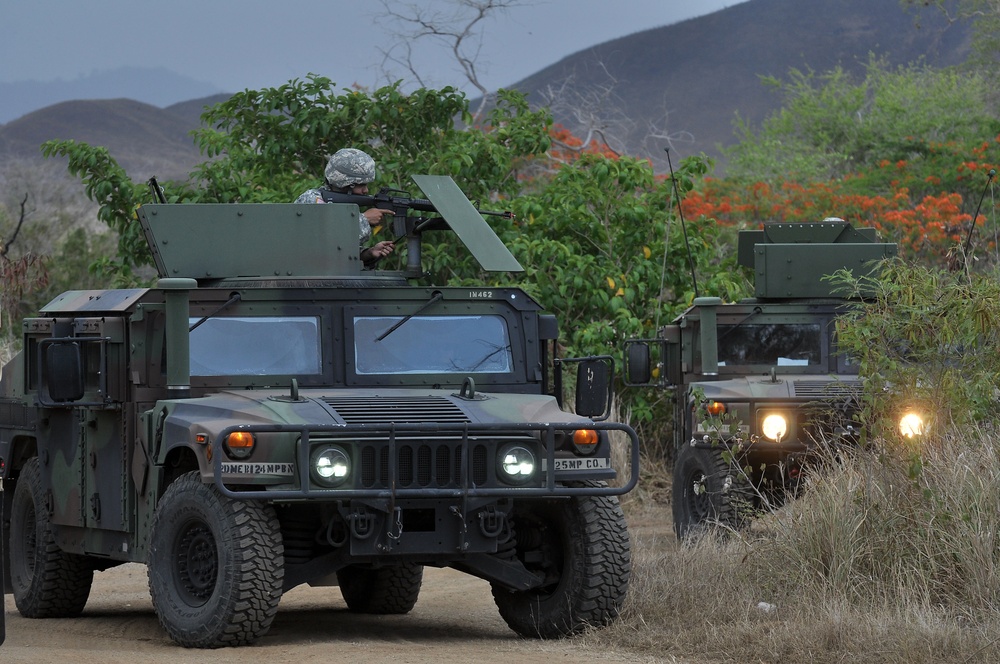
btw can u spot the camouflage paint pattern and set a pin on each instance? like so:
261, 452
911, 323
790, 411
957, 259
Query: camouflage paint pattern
432, 439
349, 167
773, 354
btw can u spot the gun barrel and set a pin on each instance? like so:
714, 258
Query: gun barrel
397, 203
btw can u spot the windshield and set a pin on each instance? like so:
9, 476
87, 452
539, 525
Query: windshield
432, 344
258, 346
784, 344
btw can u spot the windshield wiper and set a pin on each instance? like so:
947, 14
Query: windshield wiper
437, 296
230, 302
756, 310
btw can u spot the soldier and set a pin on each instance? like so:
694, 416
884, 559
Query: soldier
349, 171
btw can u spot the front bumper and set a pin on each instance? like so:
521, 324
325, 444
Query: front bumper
402, 461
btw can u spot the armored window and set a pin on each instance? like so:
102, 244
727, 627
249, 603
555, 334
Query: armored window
256, 346
431, 345
780, 344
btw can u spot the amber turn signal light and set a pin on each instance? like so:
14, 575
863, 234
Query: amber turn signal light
715, 408
239, 444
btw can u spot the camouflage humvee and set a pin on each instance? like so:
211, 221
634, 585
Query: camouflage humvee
759, 386
271, 414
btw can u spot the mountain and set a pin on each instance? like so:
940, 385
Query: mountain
691, 79
681, 85
143, 139
155, 86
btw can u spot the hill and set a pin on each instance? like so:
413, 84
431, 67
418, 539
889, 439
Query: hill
153, 85
681, 85
144, 139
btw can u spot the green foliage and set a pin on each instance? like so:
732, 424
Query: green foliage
831, 126
269, 145
985, 18
107, 184
925, 339
605, 251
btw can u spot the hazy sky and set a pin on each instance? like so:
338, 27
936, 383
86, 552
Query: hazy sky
237, 44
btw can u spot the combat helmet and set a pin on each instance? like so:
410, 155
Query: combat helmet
349, 167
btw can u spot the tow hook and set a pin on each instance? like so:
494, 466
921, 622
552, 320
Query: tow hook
362, 524
491, 522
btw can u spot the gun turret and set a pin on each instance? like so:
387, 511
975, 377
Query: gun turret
291, 241
791, 260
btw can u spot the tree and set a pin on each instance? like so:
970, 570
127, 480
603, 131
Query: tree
269, 145
831, 126
457, 30
20, 275
985, 18
925, 337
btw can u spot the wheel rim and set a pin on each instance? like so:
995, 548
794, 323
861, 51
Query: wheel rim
698, 501
196, 567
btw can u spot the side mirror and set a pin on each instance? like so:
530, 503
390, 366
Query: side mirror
638, 370
593, 387
62, 367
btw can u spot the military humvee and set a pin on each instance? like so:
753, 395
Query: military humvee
759, 385
271, 414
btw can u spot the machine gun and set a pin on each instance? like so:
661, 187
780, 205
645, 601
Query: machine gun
400, 203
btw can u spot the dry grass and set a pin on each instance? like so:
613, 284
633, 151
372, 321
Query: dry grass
890, 556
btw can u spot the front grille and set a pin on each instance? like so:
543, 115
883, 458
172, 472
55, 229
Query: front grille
827, 389
821, 423
380, 410
422, 464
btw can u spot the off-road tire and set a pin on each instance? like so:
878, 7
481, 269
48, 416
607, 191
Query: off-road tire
709, 488
215, 566
388, 590
46, 581
581, 546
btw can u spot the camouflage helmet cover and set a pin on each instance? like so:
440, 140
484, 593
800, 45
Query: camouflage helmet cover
349, 167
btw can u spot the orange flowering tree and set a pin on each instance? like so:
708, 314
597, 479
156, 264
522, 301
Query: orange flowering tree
911, 151
929, 220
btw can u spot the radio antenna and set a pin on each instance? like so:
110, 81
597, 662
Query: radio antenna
968, 238
680, 213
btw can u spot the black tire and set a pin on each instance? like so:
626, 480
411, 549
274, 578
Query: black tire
581, 545
46, 582
215, 566
388, 590
708, 488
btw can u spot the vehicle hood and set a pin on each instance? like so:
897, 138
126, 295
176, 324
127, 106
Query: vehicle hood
782, 388
214, 412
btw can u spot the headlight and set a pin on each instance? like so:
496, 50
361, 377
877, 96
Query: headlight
331, 466
911, 425
774, 426
516, 464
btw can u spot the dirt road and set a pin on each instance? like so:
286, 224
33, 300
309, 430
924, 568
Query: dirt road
454, 621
